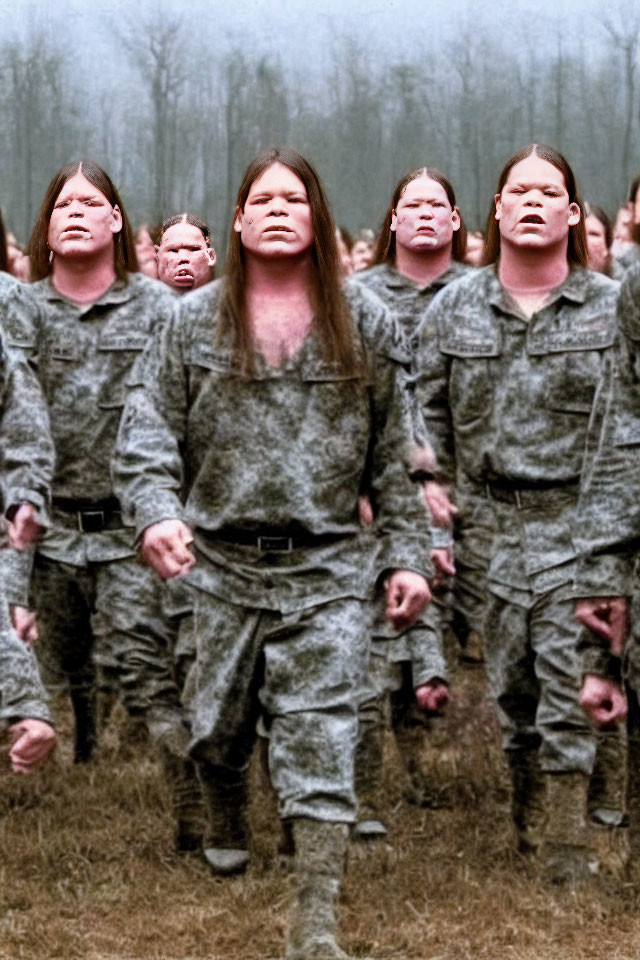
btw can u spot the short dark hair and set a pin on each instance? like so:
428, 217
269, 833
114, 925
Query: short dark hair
386, 246
125, 259
577, 246
186, 218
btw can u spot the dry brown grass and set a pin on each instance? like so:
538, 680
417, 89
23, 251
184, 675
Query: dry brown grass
88, 871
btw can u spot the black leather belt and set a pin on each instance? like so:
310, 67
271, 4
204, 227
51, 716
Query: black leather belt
275, 541
91, 516
532, 496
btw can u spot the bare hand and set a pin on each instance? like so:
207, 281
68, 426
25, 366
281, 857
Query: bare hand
365, 511
443, 565
24, 529
433, 696
31, 743
603, 700
24, 624
442, 510
608, 618
165, 547
407, 594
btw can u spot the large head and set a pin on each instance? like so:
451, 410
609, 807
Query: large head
422, 217
185, 255
81, 217
282, 210
537, 206
282, 216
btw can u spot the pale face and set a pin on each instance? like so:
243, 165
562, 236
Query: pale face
598, 253
423, 220
83, 223
276, 220
533, 210
361, 255
184, 259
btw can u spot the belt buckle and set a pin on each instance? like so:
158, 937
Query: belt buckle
275, 544
91, 521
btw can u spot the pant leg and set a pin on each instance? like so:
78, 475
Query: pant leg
134, 634
314, 669
568, 740
221, 692
63, 598
511, 673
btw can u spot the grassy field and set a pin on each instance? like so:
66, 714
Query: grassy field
88, 871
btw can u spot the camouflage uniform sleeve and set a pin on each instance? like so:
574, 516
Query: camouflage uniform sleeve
401, 518
431, 384
27, 448
147, 466
608, 533
22, 694
15, 575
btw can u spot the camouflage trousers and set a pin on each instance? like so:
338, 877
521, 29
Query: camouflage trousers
109, 613
535, 674
303, 671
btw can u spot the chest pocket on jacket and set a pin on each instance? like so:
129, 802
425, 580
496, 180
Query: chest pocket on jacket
473, 344
336, 408
573, 352
117, 354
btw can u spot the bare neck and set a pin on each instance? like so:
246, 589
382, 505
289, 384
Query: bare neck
422, 268
83, 280
532, 271
277, 281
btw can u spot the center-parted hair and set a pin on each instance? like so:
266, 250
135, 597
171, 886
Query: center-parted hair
333, 323
386, 246
186, 218
125, 259
577, 246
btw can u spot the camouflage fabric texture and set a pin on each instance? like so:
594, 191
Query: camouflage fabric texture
27, 448
291, 448
509, 404
83, 356
288, 450
302, 670
22, 694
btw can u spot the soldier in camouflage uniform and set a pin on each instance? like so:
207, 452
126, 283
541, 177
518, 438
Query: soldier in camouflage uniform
273, 443
608, 536
507, 398
84, 325
419, 251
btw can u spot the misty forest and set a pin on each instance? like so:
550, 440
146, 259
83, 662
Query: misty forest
174, 105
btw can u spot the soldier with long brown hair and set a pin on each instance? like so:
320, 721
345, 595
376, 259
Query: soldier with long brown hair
269, 402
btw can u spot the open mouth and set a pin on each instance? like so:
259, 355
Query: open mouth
278, 229
76, 228
532, 218
183, 277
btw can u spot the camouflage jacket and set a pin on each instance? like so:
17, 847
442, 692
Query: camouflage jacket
508, 403
608, 532
406, 299
289, 449
83, 356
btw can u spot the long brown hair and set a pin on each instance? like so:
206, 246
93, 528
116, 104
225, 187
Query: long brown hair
333, 323
125, 259
577, 246
386, 246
